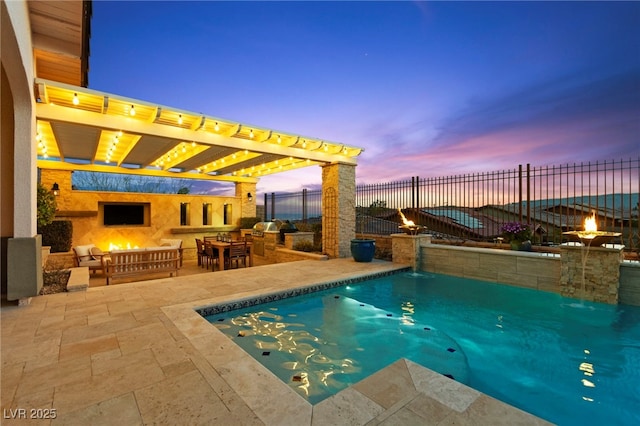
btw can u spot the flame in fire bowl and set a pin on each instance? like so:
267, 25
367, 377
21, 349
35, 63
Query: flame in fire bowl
412, 229
591, 235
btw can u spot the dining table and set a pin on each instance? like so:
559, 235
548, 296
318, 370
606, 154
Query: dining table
220, 246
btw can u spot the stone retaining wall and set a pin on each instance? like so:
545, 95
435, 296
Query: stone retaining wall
283, 255
523, 269
539, 271
629, 292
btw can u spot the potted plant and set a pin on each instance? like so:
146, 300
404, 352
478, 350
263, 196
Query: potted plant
518, 235
362, 249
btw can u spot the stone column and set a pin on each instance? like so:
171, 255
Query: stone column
338, 208
601, 267
407, 248
247, 208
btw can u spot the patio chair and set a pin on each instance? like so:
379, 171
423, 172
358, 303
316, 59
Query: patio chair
200, 251
237, 252
248, 239
90, 256
209, 256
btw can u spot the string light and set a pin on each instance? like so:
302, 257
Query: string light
279, 139
76, 101
180, 119
132, 111
216, 127
251, 134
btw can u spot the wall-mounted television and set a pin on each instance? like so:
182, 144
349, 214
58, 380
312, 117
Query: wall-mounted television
121, 214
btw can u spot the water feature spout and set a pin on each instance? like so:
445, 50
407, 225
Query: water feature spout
590, 235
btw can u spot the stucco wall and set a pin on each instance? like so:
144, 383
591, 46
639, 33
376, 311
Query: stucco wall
17, 61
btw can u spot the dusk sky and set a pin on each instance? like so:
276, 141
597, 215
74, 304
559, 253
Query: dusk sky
426, 88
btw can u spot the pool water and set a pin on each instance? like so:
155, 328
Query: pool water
567, 361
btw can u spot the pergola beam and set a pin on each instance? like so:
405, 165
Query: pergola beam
57, 165
53, 113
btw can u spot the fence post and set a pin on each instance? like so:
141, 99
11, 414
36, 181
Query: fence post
520, 192
417, 192
413, 193
304, 205
264, 212
273, 205
528, 193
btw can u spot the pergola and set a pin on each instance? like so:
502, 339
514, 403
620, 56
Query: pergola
50, 120
83, 129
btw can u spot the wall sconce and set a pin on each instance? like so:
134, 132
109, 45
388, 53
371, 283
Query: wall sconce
249, 196
55, 189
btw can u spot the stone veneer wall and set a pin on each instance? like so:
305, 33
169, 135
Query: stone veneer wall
522, 269
629, 292
601, 273
283, 255
408, 247
271, 239
293, 238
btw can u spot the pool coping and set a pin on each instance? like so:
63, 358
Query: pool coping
250, 301
275, 402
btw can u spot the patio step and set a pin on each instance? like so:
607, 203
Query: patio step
79, 279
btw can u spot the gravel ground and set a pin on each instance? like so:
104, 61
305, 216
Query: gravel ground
55, 281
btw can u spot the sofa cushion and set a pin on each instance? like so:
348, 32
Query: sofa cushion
96, 253
84, 252
90, 263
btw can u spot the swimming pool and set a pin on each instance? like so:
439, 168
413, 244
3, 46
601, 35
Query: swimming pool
563, 360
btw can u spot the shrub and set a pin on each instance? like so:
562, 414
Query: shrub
383, 254
306, 246
248, 222
46, 206
58, 235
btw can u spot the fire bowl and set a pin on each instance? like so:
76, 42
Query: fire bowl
412, 229
596, 238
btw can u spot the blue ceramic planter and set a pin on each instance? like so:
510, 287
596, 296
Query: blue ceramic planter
363, 250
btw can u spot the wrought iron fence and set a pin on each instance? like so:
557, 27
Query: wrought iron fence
551, 199
302, 206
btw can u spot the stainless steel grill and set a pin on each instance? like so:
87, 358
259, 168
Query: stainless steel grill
261, 227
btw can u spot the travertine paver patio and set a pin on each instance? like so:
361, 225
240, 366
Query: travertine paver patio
137, 353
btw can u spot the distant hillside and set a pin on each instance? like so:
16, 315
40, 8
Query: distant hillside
610, 201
